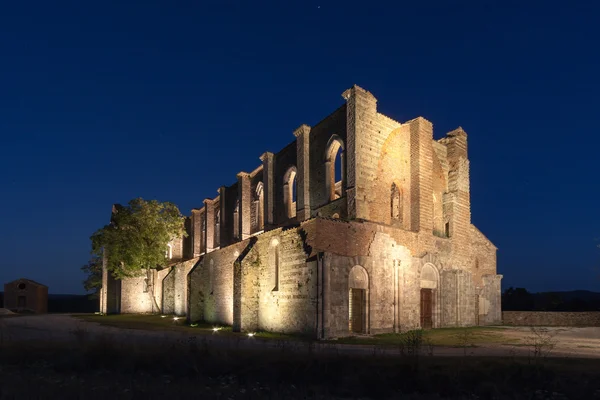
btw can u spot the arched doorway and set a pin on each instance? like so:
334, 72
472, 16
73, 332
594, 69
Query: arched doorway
429, 291
358, 300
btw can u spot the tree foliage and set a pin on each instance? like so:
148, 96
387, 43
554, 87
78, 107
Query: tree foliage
93, 270
137, 236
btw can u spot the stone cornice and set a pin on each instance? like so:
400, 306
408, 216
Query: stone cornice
302, 130
266, 155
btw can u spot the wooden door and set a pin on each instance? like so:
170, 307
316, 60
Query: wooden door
426, 308
21, 302
357, 310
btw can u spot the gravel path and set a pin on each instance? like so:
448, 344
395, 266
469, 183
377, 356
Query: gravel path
570, 342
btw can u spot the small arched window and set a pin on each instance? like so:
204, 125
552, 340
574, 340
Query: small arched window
334, 168
236, 220
259, 204
396, 204
169, 252
289, 192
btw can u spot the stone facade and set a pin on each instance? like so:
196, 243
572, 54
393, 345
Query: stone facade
25, 295
362, 224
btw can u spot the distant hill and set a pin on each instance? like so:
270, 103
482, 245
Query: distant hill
67, 303
75, 303
519, 299
585, 295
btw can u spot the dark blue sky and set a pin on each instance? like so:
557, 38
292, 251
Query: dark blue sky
104, 101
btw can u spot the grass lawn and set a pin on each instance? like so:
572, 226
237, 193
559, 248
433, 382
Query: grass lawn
148, 322
154, 322
447, 337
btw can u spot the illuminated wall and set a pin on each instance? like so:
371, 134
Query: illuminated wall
281, 247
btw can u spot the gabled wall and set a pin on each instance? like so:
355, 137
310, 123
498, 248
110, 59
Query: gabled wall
211, 285
34, 294
278, 285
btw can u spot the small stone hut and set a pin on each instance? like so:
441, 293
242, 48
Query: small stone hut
25, 295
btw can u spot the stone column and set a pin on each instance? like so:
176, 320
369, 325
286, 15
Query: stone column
361, 111
303, 178
202, 218
196, 232
187, 242
268, 188
245, 198
209, 235
224, 237
421, 175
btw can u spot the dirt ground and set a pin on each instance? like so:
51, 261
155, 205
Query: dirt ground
569, 342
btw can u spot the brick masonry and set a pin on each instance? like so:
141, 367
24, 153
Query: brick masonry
396, 227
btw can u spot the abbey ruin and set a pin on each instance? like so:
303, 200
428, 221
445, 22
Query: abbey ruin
362, 224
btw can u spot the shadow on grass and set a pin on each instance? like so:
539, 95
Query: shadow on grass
108, 366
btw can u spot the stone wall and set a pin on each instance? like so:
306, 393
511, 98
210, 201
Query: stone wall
432, 178
136, 295
490, 300
482, 256
181, 286
168, 293
550, 318
458, 298
177, 248
158, 281
277, 286
175, 288
385, 252
211, 285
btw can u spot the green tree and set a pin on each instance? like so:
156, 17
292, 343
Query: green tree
136, 239
93, 270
